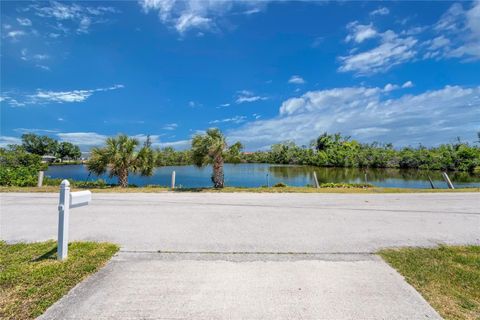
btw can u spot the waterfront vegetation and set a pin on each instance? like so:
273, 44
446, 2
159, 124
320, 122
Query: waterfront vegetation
448, 277
119, 157
123, 155
31, 279
335, 150
211, 148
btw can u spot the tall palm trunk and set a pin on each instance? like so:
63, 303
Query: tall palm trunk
123, 178
217, 177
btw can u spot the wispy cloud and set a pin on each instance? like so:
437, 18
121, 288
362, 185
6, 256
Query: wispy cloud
15, 34
360, 32
248, 96
462, 27
83, 138
380, 12
24, 22
6, 140
236, 119
170, 126
369, 114
35, 130
455, 35
71, 16
393, 50
185, 15
296, 79
48, 96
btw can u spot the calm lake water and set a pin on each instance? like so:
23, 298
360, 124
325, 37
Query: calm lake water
259, 174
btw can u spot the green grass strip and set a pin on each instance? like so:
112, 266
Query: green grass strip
31, 279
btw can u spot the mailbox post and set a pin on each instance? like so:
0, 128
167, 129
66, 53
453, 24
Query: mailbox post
63, 214
68, 200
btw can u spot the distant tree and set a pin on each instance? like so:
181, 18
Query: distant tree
120, 157
68, 150
41, 145
209, 148
234, 153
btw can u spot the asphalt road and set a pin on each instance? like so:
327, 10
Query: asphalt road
247, 256
248, 222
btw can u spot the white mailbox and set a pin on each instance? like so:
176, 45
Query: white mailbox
80, 198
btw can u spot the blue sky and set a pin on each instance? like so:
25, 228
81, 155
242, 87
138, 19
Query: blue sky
263, 72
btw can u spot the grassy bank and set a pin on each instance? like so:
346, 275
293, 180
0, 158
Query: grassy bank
158, 189
31, 279
448, 277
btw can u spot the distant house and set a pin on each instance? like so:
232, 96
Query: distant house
48, 159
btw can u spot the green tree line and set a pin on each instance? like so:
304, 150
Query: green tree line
335, 150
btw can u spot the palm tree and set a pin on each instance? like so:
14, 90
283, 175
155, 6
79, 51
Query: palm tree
120, 157
209, 148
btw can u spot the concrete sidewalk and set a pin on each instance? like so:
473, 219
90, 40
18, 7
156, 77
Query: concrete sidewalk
245, 255
217, 286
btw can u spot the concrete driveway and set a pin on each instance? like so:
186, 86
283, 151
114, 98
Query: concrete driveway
248, 256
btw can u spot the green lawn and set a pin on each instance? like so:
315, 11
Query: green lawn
31, 279
448, 277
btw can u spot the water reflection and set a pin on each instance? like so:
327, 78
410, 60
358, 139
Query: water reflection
255, 175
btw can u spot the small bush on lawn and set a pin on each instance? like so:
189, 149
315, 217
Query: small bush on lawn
280, 185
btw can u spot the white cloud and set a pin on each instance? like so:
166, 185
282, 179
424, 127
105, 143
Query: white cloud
392, 51
296, 80
369, 114
15, 34
48, 96
248, 96
6, 140
206, 15
71, 16
236, 119
189, 21
408, 84
360, 32
464, 27
34, 130
24, 22
180, 144
390, 87
170, 126
225, 105
83, 138
380, 12
455, 35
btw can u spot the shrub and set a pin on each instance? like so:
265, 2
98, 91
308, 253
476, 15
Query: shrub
280, 185
18, 167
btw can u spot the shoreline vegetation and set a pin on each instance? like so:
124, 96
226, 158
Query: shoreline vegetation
122, 155
324, 188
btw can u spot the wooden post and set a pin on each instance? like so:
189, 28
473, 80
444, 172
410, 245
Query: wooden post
317, 185
447, 180
40, 178
173, 180
431, 182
